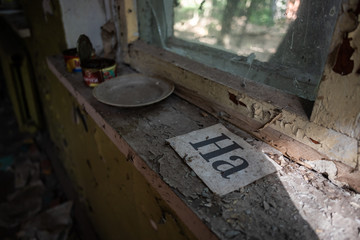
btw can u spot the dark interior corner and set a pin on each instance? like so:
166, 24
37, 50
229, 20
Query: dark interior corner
307, 106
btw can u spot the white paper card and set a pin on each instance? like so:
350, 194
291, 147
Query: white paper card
224, 161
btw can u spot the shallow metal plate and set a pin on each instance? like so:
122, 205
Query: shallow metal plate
132, 90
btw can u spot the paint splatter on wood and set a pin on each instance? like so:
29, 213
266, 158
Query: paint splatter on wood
344, 65
314, 141
234, 99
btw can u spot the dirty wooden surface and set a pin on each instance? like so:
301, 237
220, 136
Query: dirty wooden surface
250, 109
294, 203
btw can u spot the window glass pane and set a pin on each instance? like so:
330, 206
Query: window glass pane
244, 27
281, 43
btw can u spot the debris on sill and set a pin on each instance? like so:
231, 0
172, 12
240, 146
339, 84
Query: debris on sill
327, 168
54, 223
304, 202
32, 206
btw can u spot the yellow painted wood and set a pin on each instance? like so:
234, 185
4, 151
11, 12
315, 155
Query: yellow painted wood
338, 103
129, 25
119, 199
21, 93
131, 21
31, 95
95, 112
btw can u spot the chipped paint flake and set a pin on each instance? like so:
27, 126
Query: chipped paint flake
344, 65
334, 145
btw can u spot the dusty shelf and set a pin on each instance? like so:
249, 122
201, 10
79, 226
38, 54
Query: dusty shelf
294, 203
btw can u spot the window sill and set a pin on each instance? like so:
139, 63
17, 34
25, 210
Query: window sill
255, 108
276, 98
140, 135
278, 77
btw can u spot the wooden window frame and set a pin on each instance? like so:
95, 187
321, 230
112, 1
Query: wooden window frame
267, 113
